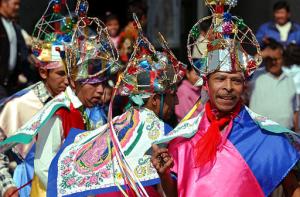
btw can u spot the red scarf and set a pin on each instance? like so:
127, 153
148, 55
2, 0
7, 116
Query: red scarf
206, 147
70, 119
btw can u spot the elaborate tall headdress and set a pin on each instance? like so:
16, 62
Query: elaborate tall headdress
51, 32
228, 45
90, 56
149, 71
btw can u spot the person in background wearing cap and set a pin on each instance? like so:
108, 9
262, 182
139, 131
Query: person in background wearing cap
150, 81
227, 150
23, 105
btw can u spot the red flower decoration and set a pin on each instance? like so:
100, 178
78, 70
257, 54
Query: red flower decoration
210, 47
251, 66
87, 21
132, 70
144, 51
219, 9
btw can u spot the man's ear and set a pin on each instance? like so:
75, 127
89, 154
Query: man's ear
155, 100
43, 72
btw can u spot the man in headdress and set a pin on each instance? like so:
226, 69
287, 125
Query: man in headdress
227, 150
20, 109
111, 158
90, 60
23, 105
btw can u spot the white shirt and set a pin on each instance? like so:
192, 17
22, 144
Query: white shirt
274, 97
12, 38
284, 30
49, 140
294, 72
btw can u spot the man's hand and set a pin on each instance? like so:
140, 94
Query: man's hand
161, 159
11, 192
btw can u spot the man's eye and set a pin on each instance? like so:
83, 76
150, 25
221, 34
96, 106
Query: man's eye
219, 78
61, 74
239, 81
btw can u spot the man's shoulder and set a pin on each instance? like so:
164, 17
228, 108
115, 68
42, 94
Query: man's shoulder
24, 99
296, 25
266, 25
259, 74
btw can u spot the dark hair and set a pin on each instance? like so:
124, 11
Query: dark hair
137, 7
272, 43
190, 67
109, 17
292, 55
281, 5
204, 26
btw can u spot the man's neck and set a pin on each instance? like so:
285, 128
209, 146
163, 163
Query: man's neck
281, 25
277, 75
2, 13
221, 114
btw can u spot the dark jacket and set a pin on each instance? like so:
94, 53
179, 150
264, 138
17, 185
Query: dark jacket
10, 79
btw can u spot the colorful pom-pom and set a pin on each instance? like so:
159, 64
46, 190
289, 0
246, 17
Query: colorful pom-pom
227, 17
227, 28
195, 32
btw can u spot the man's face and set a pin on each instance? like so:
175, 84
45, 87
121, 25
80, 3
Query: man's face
55, 80
89, 94
225, 90
113, 27
10, 8
274, 62
170, 100
281, 16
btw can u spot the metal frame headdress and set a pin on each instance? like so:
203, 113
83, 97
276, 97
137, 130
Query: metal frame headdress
91, 56
51, 31
149, 71
227, 43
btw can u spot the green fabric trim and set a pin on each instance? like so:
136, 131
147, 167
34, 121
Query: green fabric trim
137, 99
137, 139
276, 129
23, 138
